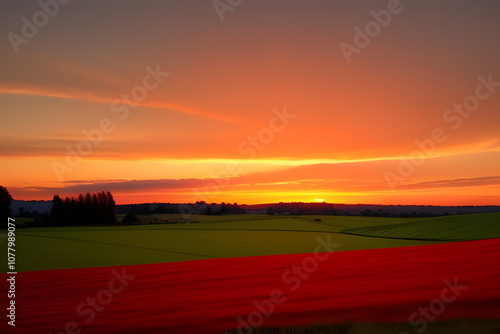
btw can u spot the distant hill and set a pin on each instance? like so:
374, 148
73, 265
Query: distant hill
295, 208
369, 209
31, 206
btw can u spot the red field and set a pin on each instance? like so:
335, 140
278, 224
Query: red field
207, 296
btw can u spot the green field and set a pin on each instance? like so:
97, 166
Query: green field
452, 228
233, 236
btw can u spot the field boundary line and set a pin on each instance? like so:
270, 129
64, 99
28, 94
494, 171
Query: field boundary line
120, 245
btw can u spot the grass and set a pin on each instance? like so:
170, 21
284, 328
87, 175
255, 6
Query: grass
451, 228
234, 236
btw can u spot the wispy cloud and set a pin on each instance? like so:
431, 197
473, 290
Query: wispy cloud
187, 186
90, 97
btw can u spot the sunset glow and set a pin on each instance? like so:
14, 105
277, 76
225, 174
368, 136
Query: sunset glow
165, 103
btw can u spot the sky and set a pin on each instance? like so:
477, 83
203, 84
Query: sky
374, 102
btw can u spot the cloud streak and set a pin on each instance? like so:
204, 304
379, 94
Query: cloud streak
240, 184
89, 97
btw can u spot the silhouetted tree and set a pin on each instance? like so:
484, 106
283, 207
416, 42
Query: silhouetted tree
97, 208
130, 218
111, 208
57, 214
5, 210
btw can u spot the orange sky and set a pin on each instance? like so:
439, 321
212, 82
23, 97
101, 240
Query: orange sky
261, 107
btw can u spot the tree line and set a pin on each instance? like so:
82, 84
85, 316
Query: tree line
97, 208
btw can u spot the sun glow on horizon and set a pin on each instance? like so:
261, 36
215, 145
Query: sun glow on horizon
219, 114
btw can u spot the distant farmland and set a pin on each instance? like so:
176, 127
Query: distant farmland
235, 236
454, 228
